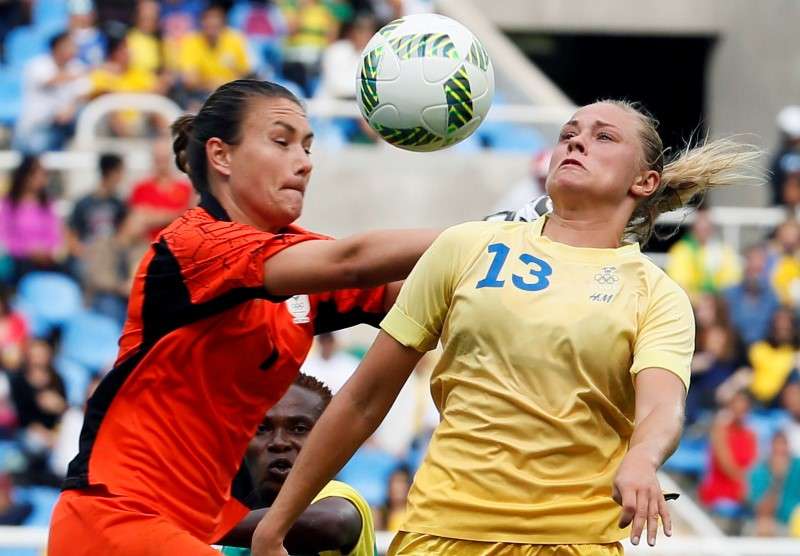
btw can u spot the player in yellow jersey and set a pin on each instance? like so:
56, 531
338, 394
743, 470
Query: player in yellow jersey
339, 520
565, 362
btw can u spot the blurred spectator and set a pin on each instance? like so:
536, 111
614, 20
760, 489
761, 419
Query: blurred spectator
774, 360
98, 215
791, 403
88, 38
8, 416
265, 27
775, 488
11, 513
732, 454
700, 262
340, 60
387, 10
40, 401
54, 85
339, 66
529, 188
394, 512
13, 335
329, 363
786, 265
65, 447
158, 200
785, 175
711, 366
118, 75
212, 56
312, 27
143, 40
93, 226
752, 302
30, 229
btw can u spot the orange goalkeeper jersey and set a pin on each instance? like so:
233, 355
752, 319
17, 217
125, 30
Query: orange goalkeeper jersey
204, 354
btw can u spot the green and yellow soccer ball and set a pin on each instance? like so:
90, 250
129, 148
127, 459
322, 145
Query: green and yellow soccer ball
424, 82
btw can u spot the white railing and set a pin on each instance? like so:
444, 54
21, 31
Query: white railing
36, 538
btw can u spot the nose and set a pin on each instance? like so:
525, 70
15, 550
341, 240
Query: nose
304, 165
576, 143
279, 442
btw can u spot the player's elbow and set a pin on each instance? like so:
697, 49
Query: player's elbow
342, 527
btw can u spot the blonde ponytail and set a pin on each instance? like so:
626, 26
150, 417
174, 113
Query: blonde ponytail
695, 169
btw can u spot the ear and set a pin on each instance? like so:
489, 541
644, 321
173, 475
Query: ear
218, 155
646, 184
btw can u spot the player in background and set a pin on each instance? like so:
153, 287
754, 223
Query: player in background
566, 358
339, 520
232, 284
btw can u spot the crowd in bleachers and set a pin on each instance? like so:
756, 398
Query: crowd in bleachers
741, 448
59, 55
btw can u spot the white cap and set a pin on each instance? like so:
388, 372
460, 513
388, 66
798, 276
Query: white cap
789, 121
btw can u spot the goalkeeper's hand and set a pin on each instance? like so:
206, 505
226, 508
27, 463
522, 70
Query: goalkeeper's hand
528, 213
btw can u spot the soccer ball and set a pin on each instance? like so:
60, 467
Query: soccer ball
424, 82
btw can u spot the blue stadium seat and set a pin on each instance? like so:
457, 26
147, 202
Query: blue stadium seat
23, 43
43, 500
368, 472
691, 457
50, 14
10, 95
90, 339
48, 300
765, 423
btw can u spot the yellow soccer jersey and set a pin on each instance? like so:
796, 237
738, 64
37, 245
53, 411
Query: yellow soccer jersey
535, 383
366, 542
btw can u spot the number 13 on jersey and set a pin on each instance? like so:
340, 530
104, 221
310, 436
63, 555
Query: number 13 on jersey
539, 269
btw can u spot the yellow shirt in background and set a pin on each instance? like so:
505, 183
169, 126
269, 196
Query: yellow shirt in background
703, 268
786, 280
314, 25
212, 65
145, 51
771, 367
133, 80
366, 542
535, 383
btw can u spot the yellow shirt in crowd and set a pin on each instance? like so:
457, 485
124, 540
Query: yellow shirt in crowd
703, 268
786, 280
212, 65
145, 51
535, 385
771, 367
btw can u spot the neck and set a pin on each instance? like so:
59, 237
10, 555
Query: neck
594, 229
222, 194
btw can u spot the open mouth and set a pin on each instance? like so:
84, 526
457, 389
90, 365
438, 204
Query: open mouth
280, 467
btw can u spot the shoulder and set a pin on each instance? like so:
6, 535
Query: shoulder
338, 489
468, 233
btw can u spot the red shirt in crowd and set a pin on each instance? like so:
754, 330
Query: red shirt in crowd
173, 196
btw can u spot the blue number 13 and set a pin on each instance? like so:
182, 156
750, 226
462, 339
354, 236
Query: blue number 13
501, 251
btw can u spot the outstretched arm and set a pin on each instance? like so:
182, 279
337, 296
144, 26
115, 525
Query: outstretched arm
331, 524
363, 260
353, 415
660, 397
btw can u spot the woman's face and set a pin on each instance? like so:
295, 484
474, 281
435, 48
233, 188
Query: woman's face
598, 158
783, 324
37, 179
269, 169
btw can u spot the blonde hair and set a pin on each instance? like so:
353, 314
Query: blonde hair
701, 165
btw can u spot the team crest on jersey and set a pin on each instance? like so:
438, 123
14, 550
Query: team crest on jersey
299, 307
605, 285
